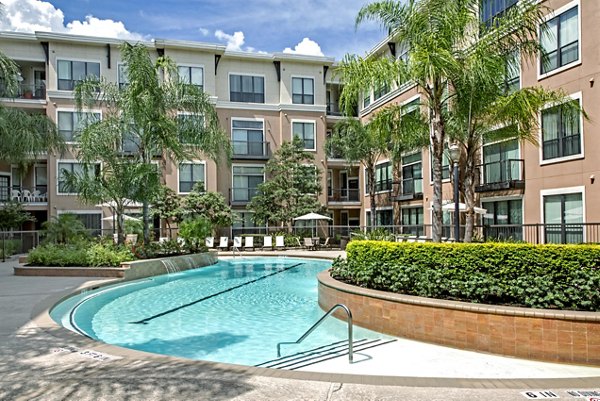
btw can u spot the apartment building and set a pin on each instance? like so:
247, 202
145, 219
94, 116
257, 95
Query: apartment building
262, 100
519, 183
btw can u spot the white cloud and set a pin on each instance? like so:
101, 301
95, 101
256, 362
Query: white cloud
36, 15
204, 31
234, 42
307, 47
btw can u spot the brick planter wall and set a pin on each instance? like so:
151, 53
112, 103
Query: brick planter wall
541, 334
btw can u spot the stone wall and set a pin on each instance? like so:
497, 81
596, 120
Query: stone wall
540, 334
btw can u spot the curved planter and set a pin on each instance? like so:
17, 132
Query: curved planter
541, 334
128, 270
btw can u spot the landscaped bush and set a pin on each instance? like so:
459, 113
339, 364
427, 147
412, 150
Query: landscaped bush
83, 253
538, 276
11, 246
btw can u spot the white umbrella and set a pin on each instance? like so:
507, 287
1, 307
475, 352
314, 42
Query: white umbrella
449, 207
125, 217
312, 217
126, 202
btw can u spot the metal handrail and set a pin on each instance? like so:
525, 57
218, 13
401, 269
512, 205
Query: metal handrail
314, 326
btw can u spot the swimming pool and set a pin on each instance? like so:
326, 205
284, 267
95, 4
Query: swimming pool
235, 311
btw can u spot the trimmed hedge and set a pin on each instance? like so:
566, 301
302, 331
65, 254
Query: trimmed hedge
79, 254
536, 276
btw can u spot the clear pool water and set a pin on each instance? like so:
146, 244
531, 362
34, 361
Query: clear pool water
235, 311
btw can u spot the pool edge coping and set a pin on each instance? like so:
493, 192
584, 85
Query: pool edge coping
40, 317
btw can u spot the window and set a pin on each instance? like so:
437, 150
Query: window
91, 221
560, 41
512, 77
190, 127
491, 10
501, 162
366, 99
246, 179
70, 123
412, 174
306, 132
303, 91
5, 193
329, 183
503, 213
243, 223
71, 72
563, 216
380, 90
123, 77
130, 143
412, 221
247, 137
41, 178
383, 177
189, 175
74, 168
383, 217
246, 88
191, 76
561, 132
15, 177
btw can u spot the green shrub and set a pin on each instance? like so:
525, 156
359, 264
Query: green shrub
79, 254
59, 255
107, 255
538, 276
11, 246
194, 231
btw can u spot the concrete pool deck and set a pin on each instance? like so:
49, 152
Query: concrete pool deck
40, 361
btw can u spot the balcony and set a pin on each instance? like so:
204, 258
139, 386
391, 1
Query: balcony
501, 175
412, 189
241, 196
25, 92
37, 195
343, 195
251, 150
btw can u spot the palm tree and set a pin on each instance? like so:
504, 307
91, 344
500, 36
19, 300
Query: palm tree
438, 34
144, 114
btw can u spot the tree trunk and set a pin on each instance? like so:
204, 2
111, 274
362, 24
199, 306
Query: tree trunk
371, 174
437, 145
146, 218
469, 191
119, 211
397, 177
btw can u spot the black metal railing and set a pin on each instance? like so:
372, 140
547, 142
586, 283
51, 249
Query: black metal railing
251, 150
561, 147
333, 109
36, 194
242, 196
24, 91
502, 174
344, 195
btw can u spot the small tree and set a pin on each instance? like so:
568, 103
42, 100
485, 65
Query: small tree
194, 230
167, 206
64, 229
209, 205
292, 188
12, 216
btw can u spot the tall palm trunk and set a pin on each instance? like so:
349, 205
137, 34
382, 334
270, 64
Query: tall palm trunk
437, 144
371, 174
469, 191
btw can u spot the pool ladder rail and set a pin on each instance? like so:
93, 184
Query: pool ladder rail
318, 323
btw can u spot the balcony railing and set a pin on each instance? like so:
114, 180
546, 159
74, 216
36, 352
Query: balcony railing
251, 150
344, 195
38, 194
333, 109
242, 196
502, 174
24, 91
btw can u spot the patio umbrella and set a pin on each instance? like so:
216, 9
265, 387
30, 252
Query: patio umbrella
125, 217
449, 207
314, 217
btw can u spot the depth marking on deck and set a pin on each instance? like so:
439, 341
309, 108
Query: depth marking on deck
87, 353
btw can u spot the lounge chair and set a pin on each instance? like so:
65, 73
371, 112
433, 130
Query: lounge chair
326, 244
309, 244
209, 242
237, 243
268, 242
280, 242
223, 243
412, 238
248, 243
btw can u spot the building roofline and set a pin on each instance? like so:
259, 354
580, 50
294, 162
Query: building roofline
18, 35
67, 37
189, 44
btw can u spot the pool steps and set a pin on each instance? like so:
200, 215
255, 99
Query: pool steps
320, 354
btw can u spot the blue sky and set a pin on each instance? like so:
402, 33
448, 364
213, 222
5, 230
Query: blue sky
257, 25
